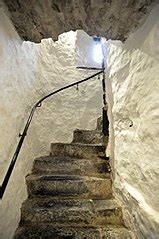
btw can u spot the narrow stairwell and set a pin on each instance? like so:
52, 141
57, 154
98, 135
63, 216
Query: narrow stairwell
70, 194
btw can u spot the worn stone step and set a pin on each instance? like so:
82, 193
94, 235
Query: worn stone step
50, 231
99, 123
77, 150
117, 233
67, 166
69, 186
87, 136
72, 212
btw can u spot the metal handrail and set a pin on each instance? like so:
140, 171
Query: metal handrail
23, 135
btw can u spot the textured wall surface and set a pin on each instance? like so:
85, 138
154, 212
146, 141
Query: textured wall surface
28, 72
17, 74
113, 19
133, 86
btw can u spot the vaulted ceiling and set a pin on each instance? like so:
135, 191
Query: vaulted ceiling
113, 19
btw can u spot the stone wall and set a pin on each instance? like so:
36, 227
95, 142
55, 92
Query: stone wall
28, 72
133, 97
111, 19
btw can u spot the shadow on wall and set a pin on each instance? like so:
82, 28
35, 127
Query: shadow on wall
147, 36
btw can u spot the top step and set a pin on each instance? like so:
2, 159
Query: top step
91, 151
87, 136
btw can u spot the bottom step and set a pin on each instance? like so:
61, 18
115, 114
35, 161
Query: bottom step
50, 232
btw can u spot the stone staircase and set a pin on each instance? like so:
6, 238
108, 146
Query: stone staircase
70, 194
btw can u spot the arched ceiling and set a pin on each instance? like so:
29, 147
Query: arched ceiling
113, 19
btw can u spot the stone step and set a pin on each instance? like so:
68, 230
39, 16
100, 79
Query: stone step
117, 233
91, 151
50, 231
69, 186
71, 212
71, 166
87, 136
99, 123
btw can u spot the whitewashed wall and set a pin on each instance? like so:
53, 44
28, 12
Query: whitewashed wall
133, 97
28, 72
17, 73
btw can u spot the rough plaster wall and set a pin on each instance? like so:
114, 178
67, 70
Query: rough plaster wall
28, 72
70, 109
17, 69
133, 86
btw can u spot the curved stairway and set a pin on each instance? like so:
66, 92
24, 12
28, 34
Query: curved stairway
70, 194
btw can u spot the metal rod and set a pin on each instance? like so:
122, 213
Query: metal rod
89, 68
105, 122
